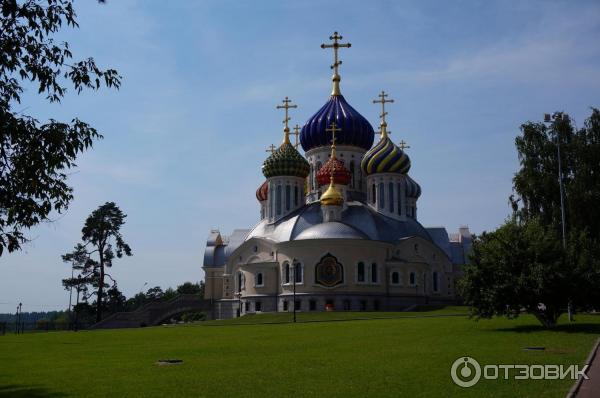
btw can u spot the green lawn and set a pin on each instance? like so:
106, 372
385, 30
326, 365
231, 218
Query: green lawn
403, 355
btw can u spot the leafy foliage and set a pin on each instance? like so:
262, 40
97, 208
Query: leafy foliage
35, 156
536, 182
523, 264
102, 242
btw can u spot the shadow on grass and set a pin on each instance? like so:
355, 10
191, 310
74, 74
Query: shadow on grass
586, 328
28, 391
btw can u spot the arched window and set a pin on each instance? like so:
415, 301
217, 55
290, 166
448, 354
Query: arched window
360, 272
399, 199
391, 196
288, 197
353, 180
298, 273
296, 196
240, 281
310, 177
374, 194
271, 201
259, 279
286, 273
316, 171
395, 278
412, 279
278, 200
381, 204
374, 276
435, 281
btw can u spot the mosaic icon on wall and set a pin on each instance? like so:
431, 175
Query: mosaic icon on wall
329, 272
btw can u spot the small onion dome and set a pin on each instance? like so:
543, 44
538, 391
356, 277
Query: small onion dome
286, 161
335, 167
262, 192
332, 197
385, 157
413, 190
355, 129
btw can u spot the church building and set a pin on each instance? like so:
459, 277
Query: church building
338, 227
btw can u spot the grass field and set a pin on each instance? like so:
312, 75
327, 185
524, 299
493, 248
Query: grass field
408, 354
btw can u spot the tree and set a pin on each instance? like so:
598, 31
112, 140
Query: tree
536, 182
523, 264
102, 241
191, 288
36, 156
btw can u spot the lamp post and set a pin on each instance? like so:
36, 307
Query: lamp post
239, 296
552, 119
416, 292
294, 285
19, 312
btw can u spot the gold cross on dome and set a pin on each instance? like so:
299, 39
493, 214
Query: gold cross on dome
286, 105
336, 46
271, 148
296, 135
333, 129
403, 145
383, 101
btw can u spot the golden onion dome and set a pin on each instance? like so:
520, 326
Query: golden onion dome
332, 196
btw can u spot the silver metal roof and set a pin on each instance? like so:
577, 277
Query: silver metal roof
219, 247
359, 217
331, 230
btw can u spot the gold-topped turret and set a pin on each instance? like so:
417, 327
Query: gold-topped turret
383, 125
336, 62
332, 196
286, 130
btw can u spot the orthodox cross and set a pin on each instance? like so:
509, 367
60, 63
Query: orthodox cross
336, 46
402, 144
271, 148
336, 62
286, 105
383, 101
296, 134
333, 129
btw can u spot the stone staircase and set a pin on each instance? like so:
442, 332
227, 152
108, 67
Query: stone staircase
154, 313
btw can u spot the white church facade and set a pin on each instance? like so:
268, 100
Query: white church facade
338, 227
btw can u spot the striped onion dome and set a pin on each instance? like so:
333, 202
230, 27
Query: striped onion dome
385, 157
355, 129
262, 192
341, 175
413, 190
286, 161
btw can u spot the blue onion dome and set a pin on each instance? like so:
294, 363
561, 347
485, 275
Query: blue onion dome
385, 157
286, 161
355, 129
412, 189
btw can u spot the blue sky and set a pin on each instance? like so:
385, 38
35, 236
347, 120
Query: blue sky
186, 134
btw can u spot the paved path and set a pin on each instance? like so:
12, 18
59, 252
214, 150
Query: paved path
590, 388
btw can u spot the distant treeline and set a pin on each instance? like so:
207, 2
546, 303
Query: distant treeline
114, 301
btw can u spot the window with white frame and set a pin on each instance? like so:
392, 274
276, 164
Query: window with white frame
286, 273
259, 279
240, 281
412, 279
374, 273
395, 278
299, 272
360, 272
